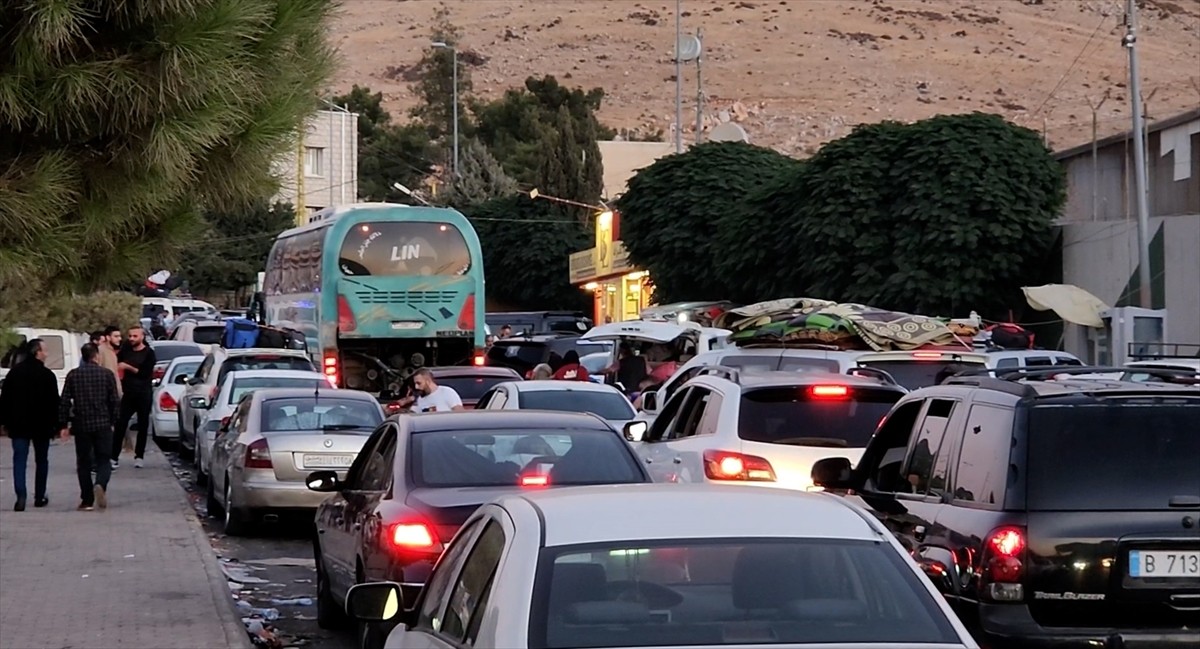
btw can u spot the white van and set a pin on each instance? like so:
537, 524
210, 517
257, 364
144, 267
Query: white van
63, 351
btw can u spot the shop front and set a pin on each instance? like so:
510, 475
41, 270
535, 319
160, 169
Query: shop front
620, 291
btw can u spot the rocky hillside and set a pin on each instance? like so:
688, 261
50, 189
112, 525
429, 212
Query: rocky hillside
797, 73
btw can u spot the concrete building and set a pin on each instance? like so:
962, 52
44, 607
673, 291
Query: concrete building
1100, 245
322, 171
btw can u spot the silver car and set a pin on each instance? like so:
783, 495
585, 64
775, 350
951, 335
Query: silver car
274, 439
164, 410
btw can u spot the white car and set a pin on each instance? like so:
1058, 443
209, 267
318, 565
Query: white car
164, 410
604, 401
920, 368
215, 413
668, 566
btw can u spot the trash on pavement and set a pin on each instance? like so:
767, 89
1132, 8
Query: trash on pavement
240, 574
268, 614
129, 556
300, 562
296, 601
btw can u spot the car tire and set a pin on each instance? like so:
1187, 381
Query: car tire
184, 451
214, 507
198, 476
235, 519
330, 616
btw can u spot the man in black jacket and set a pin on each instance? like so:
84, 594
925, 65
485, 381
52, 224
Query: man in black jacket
29, 414
90, 405
136, 363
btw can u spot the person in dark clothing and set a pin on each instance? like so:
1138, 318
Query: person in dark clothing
29, 414
136, 364
630, 369
89, 406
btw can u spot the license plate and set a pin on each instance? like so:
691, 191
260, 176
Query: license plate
406, 326
328, 461
1161, 564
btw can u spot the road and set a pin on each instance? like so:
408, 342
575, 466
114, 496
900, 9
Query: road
274, 565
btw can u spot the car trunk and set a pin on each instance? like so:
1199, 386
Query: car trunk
449, 507
1114, 525
295, 454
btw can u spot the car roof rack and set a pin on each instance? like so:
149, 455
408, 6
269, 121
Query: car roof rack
997, 377
872, 373
1162, 351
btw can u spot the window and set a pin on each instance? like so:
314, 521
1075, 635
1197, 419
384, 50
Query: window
983, 460
712, 414
183, 368
469, 599
412, 248
708, 593
893, 435
264, 362
917, 373
688, 422
471, 388
797, 415
606, 405
1008, 362
679, 382
433, 596
243, 387
55, 354
927, 462
1038, 361
324, 413
314, 161
208, 335
377, 471
1067, 360
782, 364
662, 423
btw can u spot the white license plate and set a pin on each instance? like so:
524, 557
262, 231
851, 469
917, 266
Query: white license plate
328, 461
1161, 564
404, 326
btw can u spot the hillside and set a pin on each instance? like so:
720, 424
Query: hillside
797, 73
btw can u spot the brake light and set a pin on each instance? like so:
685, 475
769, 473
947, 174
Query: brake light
830, 391
535, 480
727, 465
478, 360
1003, 564
167, 403
346, 320
331, 368
392, 407
414, 536
258, 455
466, 317
927, 355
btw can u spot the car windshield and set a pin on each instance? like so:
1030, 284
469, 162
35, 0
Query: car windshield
167, 352
322, 413
1135, 454
208, 335
496, 458
472, 387
814, 415
264, 362
241, 387
708, 593
913, 374
606, 404
186, 368
782, 363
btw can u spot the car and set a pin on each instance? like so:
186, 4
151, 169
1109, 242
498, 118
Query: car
1051, 511
232, 387
263, 454
1187, 369
668, 566
471, 383
421, 476
604, 401
919, 368
524, 352
221, 361
207, 333
167, 350
62, 351
164, 408
762, 428
540, 321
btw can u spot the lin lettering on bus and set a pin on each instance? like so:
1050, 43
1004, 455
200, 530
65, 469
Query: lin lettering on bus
406, 252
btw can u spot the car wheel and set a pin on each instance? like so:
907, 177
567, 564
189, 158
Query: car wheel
214, 507
197, 472
235, 521
330, 616
184, 451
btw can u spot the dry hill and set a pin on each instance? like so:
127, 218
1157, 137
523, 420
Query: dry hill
797, 73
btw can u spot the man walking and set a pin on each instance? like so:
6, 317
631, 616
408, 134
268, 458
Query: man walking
90, 405
136, 364
29, 413
431, 396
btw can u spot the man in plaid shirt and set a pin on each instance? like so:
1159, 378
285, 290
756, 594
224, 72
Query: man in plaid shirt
90, 404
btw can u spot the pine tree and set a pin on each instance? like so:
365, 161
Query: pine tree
482, 178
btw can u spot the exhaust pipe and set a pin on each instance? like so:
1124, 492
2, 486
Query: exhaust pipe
270, 518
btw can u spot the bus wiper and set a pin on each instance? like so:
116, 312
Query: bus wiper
826, 442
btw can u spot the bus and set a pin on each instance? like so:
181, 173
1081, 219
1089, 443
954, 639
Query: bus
379, 290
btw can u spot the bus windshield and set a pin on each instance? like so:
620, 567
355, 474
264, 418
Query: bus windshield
420, 248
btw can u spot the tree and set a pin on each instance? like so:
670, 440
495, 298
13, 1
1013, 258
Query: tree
118, 120
388, 153
674, 211
234, 247
482, 178
435, 88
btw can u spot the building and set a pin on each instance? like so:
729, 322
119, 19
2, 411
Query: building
1100, 244
620, 291
322, 171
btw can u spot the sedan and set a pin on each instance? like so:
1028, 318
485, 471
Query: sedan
164, 408
421, 476
668, 566
167, 350
274, 438
604, 401
470, 382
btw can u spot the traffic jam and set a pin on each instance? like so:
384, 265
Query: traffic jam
796, 472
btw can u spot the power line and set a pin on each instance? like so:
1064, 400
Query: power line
1062, 80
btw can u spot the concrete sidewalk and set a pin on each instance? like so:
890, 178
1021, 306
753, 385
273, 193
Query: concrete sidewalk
140, 575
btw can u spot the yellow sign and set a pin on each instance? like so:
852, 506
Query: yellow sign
604, 243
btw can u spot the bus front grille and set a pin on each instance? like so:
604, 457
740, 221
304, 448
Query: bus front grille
405, 297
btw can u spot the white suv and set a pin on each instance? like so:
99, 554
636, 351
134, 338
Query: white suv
765, 428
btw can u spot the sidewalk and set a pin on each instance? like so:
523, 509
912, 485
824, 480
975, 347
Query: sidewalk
139, 575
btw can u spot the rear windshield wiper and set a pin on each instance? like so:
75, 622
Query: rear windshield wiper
344, 427
828, 442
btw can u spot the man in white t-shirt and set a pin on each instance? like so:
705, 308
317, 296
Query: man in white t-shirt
433, 397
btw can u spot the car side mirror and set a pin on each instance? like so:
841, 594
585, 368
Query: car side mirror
650, 401
635, 431
379, 601
193, 381
182, 379
323, 481
831, 473
198, 403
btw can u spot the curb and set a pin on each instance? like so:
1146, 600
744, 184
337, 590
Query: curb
236, 636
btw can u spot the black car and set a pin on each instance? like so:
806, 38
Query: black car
524, 352
1051, 512
419, 477
535, 322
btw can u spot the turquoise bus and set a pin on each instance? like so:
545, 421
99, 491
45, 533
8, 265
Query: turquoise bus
379, 290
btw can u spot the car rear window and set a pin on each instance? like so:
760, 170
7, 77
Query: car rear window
167, 352
241, 387
324, 413
183, 369
606, 405
520, 354
782, 364
814, 415
1127, 455
210, 335
264, 362
503, 457
915, 373
709, 593
472, 387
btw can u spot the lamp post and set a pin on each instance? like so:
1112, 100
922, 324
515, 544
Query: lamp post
454, 67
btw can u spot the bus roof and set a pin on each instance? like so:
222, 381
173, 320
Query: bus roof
329, 215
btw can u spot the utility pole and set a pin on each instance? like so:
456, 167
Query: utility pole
699, 89
678, 77
454, 80
1139, 156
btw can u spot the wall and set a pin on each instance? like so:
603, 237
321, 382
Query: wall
335, 133
623, 159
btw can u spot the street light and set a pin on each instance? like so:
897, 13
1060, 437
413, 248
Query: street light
401, 188
454, 57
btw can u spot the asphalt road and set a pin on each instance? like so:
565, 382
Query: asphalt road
272, 566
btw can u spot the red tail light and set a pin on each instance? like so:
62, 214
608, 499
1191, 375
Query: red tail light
346, 320
258, 455
466, 317
392, 407
159, 372
1003, 564
478, 360
414, 536
927, 355
331, 367
726, 465
830, 391
167, 403
535, 480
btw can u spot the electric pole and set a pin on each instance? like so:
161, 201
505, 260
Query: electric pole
678, 77
1139, 157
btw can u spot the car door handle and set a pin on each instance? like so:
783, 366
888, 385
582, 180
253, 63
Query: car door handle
677, 460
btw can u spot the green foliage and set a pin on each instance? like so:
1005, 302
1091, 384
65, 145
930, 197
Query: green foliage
674, 212
76, 313
234, 247
387, 153
435, 88
526, 246
482, 178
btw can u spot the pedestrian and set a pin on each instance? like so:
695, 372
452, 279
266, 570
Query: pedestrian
29, 396
88, 410
96, 338
109, 344
505, 331
541, 372
136, 363
571, 369
431, 396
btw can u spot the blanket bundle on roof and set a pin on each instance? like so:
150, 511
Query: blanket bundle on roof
846, 326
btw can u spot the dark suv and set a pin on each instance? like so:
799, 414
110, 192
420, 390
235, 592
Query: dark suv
526, 351
1051, 513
